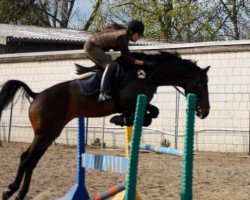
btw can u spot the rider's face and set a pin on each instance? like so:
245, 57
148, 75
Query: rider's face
135, 37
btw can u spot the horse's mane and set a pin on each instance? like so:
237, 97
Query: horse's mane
162, 56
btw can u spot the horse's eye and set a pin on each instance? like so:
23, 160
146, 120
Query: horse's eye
204, 79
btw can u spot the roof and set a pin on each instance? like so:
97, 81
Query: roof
16, 33
20, 33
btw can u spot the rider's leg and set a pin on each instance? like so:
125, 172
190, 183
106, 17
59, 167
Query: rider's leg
97, 55
105, 82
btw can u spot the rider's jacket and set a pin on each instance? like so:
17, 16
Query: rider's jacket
118, 40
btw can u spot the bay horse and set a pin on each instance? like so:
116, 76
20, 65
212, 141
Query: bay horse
54, 107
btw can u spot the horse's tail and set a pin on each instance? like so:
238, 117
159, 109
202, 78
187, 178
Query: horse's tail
9, 90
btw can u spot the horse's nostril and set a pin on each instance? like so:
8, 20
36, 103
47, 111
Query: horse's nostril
202, 115
205, 114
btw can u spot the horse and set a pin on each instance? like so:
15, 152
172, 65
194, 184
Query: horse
55, 106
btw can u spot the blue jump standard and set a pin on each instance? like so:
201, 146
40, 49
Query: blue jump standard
79, 191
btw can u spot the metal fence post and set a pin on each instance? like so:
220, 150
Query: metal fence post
177, 103
103, 127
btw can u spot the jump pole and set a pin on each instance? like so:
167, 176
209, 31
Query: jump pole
116, 189
187, 161
160, 149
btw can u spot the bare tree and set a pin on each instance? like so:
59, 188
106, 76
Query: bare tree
237, 14
51, 13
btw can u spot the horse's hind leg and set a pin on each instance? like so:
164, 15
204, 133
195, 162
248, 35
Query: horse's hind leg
37, 149
29, 159
13, 187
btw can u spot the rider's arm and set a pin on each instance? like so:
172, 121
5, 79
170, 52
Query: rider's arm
122, 43
139, 62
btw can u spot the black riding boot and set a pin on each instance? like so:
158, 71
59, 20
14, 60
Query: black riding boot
105, 94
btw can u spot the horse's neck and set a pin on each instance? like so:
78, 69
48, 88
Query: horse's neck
132, 89
170, 74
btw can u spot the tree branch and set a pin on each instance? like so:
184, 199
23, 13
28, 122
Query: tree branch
93, 15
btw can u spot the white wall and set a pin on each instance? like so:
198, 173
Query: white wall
225, 129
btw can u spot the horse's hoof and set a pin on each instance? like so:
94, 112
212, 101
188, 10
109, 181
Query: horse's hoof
153, 111
118, 120
5, 195
18, 198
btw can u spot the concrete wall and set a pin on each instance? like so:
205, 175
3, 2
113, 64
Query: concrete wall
23, 47
225, 129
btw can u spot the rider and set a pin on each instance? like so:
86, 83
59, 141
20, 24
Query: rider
114, 37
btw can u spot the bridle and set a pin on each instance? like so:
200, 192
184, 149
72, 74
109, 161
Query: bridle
194, 88
197, 86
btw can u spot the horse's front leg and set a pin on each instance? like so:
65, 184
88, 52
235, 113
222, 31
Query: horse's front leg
127, 118
152, 110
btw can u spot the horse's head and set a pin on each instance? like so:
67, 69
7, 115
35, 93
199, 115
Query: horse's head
173, 70
198, 86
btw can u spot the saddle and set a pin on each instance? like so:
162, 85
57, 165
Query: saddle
90, 78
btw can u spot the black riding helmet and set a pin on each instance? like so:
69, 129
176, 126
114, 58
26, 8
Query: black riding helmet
136, 26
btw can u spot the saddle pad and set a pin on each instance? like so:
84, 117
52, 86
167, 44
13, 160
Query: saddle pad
90, 85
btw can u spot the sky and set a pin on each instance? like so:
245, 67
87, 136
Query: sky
85, 10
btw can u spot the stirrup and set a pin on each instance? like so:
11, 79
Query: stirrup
104, 96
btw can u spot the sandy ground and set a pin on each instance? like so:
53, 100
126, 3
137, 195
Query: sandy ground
221, 176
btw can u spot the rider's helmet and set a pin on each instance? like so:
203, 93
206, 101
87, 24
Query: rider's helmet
136, 26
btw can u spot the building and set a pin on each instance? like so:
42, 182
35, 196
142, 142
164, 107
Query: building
17, 39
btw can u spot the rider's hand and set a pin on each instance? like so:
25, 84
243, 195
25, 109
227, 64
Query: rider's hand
149, 64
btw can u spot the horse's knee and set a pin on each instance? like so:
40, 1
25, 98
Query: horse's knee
153, 110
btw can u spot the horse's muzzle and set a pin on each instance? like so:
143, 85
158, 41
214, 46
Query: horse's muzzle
202, 114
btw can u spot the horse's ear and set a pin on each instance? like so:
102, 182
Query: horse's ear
206, 69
